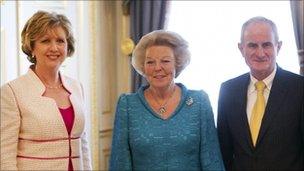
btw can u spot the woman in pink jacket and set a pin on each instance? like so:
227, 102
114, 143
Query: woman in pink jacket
42, 112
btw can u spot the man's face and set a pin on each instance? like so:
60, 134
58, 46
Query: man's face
259, 48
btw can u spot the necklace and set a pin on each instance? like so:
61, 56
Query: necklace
46, 85
162, 107
53, 87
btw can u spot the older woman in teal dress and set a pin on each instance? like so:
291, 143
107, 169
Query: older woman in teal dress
164, 126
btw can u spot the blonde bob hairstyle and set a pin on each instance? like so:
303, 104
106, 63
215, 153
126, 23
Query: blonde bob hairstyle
162, 38
38, 25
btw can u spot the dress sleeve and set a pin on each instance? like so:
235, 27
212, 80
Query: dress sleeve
121, 154
10, 125
210, 154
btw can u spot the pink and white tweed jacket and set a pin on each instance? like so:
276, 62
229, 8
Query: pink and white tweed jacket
33, 133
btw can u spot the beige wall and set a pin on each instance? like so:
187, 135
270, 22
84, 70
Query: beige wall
112, 70
110, 74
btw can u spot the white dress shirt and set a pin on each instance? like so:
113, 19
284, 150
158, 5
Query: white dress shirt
252, 93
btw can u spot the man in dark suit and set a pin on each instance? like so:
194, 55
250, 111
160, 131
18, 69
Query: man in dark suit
261, 114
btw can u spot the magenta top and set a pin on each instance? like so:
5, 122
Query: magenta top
68, 118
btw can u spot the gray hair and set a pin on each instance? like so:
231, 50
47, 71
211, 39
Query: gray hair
260, 19
163, 38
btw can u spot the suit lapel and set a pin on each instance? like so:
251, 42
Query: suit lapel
242, 126
275, 100
77, 103
45, 106
78, 124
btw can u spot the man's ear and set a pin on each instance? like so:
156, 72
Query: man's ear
279, 46
240, 46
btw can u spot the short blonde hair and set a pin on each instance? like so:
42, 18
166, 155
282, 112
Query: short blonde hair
38, 25
163, 38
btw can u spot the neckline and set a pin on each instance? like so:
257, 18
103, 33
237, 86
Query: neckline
161, 107
184, 91
38, 84
65, 108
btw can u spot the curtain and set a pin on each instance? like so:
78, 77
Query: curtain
145, 16
297, 7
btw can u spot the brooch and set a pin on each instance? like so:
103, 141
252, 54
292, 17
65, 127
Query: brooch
189, 101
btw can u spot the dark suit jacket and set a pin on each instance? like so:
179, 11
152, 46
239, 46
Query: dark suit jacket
280, 143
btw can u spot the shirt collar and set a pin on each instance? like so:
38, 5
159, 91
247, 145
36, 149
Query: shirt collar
268, 81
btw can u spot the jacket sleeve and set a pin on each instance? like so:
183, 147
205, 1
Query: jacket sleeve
302, 127
224, 134
120, 154
10, 125
86, 159
211, 158
302, 120
86, 155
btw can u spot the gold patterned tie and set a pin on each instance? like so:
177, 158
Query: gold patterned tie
257, 111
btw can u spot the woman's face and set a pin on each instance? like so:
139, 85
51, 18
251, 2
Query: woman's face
159, 66
50, 49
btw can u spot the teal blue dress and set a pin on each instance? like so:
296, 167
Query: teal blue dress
187, 140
